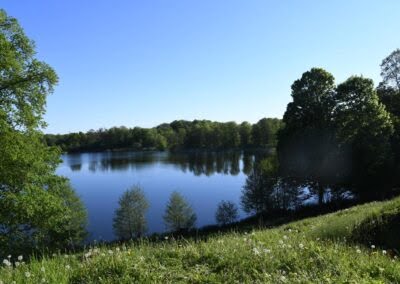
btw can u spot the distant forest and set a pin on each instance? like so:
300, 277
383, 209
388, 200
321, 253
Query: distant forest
177, 135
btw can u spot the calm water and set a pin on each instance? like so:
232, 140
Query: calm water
203, 178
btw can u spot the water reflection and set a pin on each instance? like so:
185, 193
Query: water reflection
198, 163
204, 178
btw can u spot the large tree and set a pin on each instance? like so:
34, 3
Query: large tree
38, 210
306, 147
390, 70
364, 131
389, 94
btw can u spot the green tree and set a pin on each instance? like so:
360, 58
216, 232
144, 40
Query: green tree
227, 212
259, 186
389, 94
245, 134
365, 127
179, 214
38, 210
390, 70
307, 146
130, 219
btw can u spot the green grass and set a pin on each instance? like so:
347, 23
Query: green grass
334, 248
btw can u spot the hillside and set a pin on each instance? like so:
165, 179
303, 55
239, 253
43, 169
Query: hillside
356, 245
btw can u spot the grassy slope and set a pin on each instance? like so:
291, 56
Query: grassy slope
334, 248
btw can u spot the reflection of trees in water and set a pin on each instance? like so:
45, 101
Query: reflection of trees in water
267, 191
209, 163
74, 161
120, 162
199, 162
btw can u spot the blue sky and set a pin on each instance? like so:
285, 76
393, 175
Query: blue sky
141, 63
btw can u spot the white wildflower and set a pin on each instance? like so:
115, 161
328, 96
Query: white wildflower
256, 251
384, 252
281, 242
9, 256
267, 250
67, 267
358, 251
43, 280
285, 237
166, 238
17, 263
372, 246
27, 274
110, 251
43, 269
20, 258
6, 262
301, 246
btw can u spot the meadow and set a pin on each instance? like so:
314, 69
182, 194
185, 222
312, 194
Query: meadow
355, 245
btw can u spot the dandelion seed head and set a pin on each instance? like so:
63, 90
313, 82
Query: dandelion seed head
256, 251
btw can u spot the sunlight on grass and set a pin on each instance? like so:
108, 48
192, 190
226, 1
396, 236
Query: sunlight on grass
320, 249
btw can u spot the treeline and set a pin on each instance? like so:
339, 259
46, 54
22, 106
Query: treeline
180, 134
338, 141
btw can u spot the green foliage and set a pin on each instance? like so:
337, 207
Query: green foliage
130, 219
180, 134
227, 212
315, 250
361, 118
390, 70
263, 189
338, 137
24, 81
179, 214
307, 146
38, 210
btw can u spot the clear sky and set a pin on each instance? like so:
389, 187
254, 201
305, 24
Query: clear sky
141, 63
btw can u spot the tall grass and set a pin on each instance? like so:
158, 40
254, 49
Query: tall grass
316, 250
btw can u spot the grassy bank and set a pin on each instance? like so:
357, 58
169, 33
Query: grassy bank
355, 245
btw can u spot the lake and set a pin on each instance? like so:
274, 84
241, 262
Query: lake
203, 178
